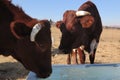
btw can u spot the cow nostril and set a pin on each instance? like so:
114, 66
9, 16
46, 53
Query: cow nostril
63, 51
44, 75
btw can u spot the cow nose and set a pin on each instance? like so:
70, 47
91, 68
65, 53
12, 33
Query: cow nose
44, 75
61, 51
64, 51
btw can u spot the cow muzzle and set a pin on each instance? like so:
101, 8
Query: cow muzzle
44, 75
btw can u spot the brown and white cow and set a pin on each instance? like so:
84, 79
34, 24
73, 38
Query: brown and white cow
26, 39
81, 31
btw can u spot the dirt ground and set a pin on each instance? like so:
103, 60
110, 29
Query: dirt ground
108, 51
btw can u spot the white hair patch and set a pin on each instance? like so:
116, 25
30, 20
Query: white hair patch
74, 50
35, 31
82, 47
93, 46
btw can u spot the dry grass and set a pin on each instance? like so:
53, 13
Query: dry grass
108, 52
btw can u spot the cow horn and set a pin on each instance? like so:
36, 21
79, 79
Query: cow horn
82, 13
35, 31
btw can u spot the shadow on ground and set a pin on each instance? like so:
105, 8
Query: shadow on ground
12, 71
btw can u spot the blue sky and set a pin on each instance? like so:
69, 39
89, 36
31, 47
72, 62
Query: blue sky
54, 9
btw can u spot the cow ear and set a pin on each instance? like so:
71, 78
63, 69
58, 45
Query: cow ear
19, 29
87, 21
60, 25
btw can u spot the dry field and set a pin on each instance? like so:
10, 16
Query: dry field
108, 51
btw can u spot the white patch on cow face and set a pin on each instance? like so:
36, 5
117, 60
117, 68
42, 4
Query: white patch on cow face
35, 31
82, 47
82, 13
74, 50
93, 46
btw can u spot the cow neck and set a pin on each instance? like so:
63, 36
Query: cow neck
5, 13
17, 12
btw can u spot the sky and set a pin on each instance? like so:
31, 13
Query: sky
109, 10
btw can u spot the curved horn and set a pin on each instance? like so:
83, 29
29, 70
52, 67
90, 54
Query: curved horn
35, 31
82, 13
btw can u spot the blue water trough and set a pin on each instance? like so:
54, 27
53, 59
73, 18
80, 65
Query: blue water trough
82, 72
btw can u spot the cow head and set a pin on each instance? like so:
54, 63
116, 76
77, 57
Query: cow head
73, 18
71, 27
33, 46
65, 39
85, 18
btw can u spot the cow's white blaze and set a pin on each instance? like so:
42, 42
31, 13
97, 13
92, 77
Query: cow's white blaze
74, 50
93, 46
82, 47
35, 31
82, 13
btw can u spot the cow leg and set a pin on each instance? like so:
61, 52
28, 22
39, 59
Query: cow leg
82, 56
74, 56
69, 58
92, 58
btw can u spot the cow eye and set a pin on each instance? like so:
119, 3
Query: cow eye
41, 45
80, 17
72, 30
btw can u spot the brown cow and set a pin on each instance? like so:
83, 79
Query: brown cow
81, 30
26, 39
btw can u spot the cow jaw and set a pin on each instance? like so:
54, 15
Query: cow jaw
35, 31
